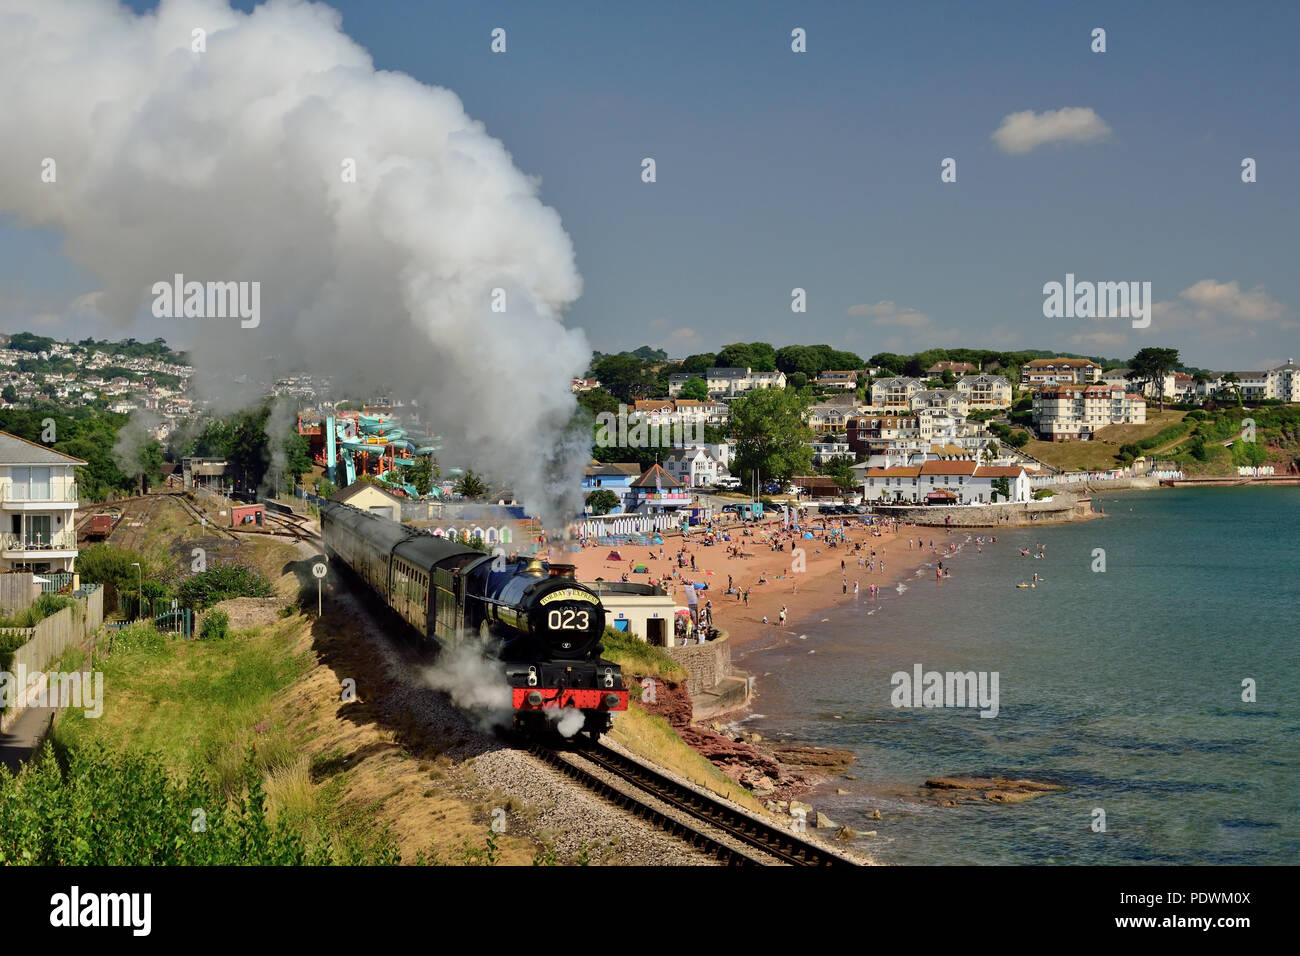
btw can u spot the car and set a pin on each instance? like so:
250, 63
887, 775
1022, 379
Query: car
729, 483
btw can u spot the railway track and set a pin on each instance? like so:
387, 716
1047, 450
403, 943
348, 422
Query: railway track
729, 834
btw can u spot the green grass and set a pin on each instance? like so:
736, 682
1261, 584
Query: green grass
181, 699
638, 658
1100, 453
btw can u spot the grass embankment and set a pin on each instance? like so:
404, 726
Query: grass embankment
1224, 439
650, 736
258, 718
1101, 453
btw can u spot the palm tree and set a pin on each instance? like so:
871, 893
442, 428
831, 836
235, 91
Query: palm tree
471, 485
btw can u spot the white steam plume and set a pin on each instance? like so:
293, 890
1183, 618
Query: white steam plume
132, 439
228, 166
474, 684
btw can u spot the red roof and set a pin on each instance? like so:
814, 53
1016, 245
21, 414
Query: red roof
656, 476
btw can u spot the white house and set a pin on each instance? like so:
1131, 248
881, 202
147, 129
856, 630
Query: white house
38, 495
694, 467
944, 482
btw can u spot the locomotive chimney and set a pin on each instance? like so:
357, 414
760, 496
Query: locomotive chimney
562, 570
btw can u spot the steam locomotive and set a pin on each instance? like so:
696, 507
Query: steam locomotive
534, 618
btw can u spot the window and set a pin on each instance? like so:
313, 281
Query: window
38, 531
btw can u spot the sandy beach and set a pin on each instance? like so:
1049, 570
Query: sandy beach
748, 555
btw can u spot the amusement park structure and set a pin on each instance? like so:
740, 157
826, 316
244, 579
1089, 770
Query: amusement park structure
349, 443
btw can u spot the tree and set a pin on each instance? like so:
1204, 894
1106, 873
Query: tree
422, 473
1152, 365
770, 433
990, 452
1232, 384
758, 356
841, 469
150, 460
598, 400
625, 377
601, 501
297, 458
700, 362
1018, 439
892, 363
9, 394
471, 485
325, 488
1001, 486
695, 388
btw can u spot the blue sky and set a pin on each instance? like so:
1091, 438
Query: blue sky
821, 170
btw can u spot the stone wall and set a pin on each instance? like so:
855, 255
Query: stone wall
1112, 484
707, 664
1059, 508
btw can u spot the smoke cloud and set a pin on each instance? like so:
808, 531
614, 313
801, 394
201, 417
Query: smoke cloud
131, 440
231, 164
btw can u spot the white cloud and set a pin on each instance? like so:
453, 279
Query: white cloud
1027, 130
889, 314
1227, 299
1222, 309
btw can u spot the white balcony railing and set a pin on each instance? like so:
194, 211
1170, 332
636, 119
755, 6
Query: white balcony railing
61, 541
55, 494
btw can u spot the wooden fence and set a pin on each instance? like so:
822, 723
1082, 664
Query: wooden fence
54, 635
18, 590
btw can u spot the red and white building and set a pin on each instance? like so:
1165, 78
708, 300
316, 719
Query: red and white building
962, 482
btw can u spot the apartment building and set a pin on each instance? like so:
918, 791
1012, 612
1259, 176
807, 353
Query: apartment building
895, 392
1059, 371
984, 392
38, 495
1075, 412
727, 382
950, 400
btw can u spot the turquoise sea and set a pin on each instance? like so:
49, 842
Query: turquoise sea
1125, 686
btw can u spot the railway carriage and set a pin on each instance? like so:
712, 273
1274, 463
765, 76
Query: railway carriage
541, 624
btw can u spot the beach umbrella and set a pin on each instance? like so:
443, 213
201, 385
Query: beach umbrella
682, 612
807, 534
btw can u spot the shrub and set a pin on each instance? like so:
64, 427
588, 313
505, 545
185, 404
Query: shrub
222, 582
216, 626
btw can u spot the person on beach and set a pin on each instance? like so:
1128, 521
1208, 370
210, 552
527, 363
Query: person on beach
844, 585
855, 588
783, 615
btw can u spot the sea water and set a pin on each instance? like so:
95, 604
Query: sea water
1124, 685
